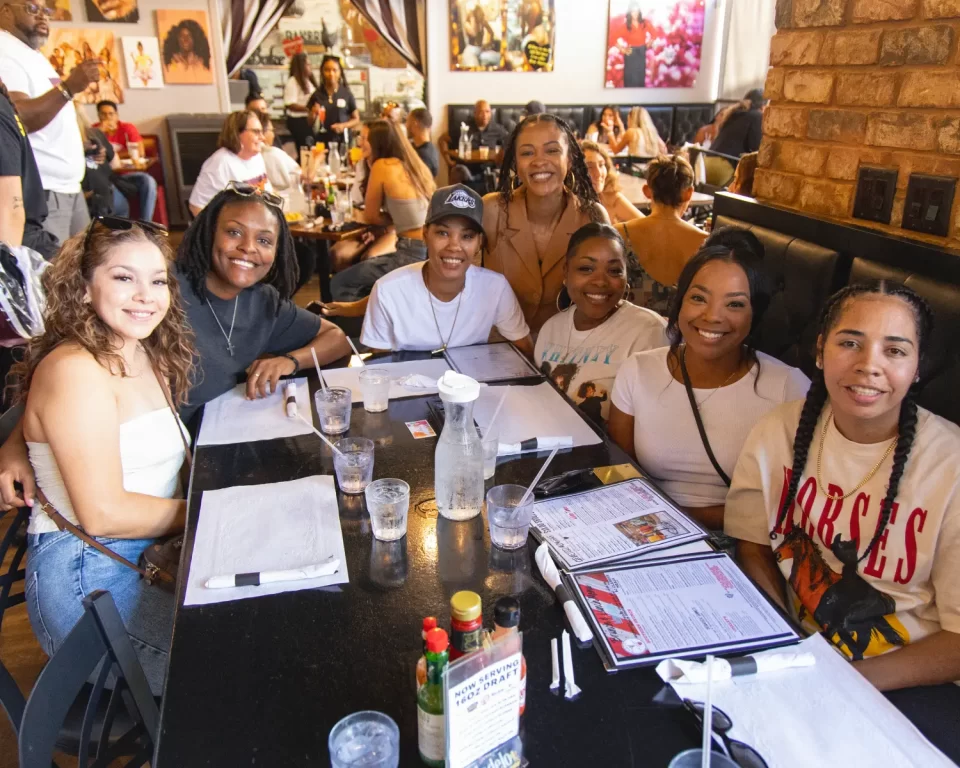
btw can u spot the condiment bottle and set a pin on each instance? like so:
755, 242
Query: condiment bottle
466, 624
431, 735
430, 622
506, 620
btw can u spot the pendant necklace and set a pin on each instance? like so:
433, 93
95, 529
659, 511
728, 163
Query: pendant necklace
227, 336
434, 312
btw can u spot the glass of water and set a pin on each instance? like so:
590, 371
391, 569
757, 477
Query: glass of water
509, 522
388, 501
490, 442
333, 409
354, 464
375, 386
369, 739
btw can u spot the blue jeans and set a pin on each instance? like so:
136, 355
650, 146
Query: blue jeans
146, 193
357, 281
62, 570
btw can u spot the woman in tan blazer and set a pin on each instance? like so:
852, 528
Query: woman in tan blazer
528, 227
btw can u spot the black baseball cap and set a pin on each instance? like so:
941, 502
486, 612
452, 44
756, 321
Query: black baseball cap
456, 200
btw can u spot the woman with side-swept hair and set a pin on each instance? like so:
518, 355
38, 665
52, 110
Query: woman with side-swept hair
104, 443
545, 195
238, 158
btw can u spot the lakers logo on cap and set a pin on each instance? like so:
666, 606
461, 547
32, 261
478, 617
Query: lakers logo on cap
460, 199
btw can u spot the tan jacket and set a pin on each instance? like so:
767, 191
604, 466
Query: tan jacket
511, 251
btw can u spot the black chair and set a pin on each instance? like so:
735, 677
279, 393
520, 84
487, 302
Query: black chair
12, 546
97, 648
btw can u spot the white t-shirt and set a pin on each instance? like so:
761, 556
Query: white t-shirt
908, 587
294, 94
577, 360
665, 432
222, 167
58, 146
399, 317
279, 166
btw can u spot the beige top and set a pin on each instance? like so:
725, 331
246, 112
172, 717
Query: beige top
663, 245
510, 250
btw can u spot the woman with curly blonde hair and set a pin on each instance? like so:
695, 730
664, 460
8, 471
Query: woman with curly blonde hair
106, 446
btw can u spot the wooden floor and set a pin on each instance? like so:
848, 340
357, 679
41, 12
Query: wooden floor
19, 650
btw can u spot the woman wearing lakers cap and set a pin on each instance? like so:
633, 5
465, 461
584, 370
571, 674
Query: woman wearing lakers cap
445, 301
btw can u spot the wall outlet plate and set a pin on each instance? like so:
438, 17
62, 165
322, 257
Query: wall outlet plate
928, 205
875, 190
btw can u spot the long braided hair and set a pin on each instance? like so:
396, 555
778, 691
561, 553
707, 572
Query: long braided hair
578, 178
195, 254
817, 397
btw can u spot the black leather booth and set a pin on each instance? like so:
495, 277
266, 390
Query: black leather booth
675, 123
811, 258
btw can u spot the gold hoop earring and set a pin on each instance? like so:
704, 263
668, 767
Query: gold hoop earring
563, 289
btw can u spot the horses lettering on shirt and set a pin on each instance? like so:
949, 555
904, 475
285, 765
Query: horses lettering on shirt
860, 619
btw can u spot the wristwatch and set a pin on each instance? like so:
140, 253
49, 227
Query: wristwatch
63, 90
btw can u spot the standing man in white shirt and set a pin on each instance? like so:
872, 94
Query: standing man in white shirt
45, 105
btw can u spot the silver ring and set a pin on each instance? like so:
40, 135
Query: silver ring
256, 374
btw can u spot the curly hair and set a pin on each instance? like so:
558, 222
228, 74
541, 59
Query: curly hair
578, 179
817, 397
71, 320
195, 255
201, 46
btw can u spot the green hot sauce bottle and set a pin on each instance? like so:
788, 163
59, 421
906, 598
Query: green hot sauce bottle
430, 726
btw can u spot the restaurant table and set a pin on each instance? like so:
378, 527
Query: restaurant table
260, 682
141, 167
493, 157
632, 187
321, 238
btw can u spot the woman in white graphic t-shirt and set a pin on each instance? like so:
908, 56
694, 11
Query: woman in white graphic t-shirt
847, 504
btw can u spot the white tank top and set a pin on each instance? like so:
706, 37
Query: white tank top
151, 453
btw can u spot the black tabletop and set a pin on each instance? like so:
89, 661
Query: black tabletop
261, 682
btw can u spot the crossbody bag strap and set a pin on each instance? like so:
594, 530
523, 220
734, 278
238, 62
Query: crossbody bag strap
65, 525
696, 415
166, 393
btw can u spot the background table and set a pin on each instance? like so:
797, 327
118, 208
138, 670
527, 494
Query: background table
632, 187
262, 681
493, 157
145, 164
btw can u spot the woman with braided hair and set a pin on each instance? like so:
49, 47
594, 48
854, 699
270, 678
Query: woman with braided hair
545, 194
847, 504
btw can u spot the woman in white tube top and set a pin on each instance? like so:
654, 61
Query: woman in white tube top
104, 444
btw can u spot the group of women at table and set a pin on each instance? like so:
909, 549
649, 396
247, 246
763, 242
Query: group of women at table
844, 495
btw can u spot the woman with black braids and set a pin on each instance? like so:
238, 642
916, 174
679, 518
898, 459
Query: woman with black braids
545, 195
237, 271
847, 504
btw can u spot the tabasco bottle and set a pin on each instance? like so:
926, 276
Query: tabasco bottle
429, 622
506, 620
431, 734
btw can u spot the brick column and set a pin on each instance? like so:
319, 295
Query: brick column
853, 82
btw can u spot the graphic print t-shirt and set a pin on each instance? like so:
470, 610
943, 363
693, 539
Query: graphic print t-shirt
584, 364
908, 587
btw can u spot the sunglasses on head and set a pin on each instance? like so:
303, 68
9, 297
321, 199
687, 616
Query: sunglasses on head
120, 224
742, 754
248, 190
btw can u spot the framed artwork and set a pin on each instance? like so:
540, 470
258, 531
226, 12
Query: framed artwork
59, 10
654, 43
185, 47
502, 35
119, 11
141, 57
66, 48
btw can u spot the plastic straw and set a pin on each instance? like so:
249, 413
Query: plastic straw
708, 717
316, 363
350, 342
536, 480
321, 435
496, 412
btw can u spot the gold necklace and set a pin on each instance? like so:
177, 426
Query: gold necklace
683, 355
870, 474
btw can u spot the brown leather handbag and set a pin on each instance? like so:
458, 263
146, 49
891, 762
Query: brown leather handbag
160, 562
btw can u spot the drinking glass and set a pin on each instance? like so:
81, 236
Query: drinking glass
484, 152
375, 386
693, 758
490, 442
369, 739
354, 464
388, 501
333, 409
133, 149
509, 523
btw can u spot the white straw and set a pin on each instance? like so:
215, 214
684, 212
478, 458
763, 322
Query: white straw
536, 480
321, 435
316, 363
350, 342
496, 411
708, 717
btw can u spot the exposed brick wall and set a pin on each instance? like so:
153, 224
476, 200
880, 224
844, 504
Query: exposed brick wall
852, 82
